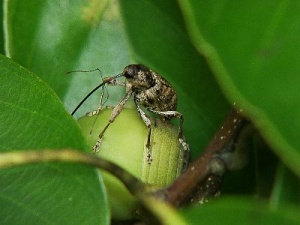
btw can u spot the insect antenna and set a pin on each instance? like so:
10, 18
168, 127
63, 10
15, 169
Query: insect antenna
86, 97
105, 81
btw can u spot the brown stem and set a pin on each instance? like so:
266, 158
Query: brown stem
204, 166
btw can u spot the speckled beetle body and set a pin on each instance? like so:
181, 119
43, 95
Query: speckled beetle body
150, 91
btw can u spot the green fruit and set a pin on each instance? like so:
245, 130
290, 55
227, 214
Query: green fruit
124, 144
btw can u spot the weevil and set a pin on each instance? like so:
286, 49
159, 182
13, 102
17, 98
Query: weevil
149, 90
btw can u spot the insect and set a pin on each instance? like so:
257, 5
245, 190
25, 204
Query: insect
149, 90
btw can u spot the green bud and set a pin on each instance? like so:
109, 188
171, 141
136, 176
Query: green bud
124, 144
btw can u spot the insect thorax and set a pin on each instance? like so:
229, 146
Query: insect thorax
160, 97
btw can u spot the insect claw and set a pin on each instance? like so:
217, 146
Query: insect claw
95, 112
96, 147
149, 157
186, 154
184, 145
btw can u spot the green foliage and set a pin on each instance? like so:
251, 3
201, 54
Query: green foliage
33, 118
255, 63
235, 211
214, 54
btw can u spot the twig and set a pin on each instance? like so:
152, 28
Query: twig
209, 165
18, 158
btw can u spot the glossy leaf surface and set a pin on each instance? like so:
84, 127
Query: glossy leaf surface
240, 211
33, 118
254, 52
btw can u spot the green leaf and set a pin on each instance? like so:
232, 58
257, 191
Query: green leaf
240, 211
286, 188
64, 36
254, 52
1, 29
32, 117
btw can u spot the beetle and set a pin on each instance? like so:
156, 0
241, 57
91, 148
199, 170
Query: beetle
150, 91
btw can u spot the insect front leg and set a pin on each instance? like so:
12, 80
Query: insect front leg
116, 111
147, 121
111, 82
100, 107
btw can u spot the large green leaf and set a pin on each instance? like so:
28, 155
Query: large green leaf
254, 51
241, 211
33, 118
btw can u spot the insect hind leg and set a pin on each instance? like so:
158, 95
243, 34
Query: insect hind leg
171, 114
175, 114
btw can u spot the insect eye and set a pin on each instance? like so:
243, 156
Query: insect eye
129, 74
129, 71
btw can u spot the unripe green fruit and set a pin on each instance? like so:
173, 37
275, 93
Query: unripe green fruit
124, 144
